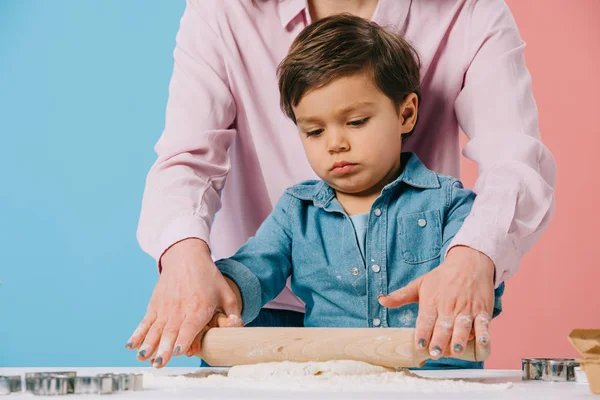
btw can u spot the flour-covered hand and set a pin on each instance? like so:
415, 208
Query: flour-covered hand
456, 302
188, 294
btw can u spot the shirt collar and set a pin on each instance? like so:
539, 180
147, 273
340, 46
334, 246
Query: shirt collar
389, 13
414, 174
289, 9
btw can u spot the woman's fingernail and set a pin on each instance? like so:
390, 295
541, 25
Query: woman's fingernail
436, 351
158, 362
129, 345
458, 348
483, 340
177, 350
422, 343
143, 351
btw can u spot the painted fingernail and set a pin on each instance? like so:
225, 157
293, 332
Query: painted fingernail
458, 348
158, 362
129, 345
483, 340
422, 343
143, 351
177, 351
436, 351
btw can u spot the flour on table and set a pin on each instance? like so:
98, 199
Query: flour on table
329, 376
313, 368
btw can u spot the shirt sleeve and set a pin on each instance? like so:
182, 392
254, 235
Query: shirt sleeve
184, 185
497, 111
460, 205
261, 267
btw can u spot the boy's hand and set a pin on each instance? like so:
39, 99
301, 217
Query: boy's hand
220, 320
454, 299
189, 291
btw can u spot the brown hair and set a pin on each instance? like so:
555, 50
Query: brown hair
343, 45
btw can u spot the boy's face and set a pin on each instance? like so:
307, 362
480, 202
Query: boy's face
352, 133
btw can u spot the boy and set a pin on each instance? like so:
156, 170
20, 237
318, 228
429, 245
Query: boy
378, 218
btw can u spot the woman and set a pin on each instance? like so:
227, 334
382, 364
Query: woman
227, 146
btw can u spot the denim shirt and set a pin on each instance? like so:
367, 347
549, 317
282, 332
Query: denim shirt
310, 237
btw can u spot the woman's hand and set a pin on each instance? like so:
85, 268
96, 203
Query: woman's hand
189, 292
455, 300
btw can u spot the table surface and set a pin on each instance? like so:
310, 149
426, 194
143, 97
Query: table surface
521, 389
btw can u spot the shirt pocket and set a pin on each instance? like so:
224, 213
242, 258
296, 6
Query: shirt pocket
420, 236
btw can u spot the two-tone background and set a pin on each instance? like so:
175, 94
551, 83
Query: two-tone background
83, 89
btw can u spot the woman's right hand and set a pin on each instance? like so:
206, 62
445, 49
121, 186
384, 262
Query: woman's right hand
189, 292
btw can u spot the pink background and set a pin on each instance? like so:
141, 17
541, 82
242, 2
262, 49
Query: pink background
557, 287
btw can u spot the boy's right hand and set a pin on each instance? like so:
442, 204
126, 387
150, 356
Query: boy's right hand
220, 320
188, 294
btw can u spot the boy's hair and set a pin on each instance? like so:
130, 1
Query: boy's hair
343, 45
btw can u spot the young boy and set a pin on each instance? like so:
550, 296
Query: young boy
378, 218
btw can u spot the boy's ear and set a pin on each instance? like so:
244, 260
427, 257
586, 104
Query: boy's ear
407, 113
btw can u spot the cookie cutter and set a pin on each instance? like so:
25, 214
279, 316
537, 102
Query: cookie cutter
99, 384
65, 383
50, 383
10, 384
549, 369
580, 376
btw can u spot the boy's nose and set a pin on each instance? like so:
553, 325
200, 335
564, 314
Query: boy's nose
337, 141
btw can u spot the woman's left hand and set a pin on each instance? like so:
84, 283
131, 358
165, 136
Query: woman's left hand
455, 300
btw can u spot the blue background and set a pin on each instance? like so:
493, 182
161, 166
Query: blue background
83, 90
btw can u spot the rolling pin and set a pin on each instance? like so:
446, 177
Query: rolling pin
388, 347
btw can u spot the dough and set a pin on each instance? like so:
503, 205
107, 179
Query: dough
312, 368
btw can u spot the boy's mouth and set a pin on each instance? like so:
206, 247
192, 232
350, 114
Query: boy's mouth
342, 167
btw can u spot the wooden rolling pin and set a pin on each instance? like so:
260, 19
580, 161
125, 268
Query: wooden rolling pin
389, 347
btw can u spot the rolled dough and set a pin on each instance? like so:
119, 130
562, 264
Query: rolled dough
312, 368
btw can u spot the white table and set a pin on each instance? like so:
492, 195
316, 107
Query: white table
520, 390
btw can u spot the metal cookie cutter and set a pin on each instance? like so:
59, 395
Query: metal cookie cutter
549, 369
50, 383
63, 383
111, 383
100, 384
10, 384
130, 381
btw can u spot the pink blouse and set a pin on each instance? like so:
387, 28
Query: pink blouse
227, 147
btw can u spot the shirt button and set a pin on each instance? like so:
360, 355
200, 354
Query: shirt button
376, 322
354, 271
377, 212
376, 268
422, 222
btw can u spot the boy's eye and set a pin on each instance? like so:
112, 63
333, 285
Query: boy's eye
314, 133
358, 122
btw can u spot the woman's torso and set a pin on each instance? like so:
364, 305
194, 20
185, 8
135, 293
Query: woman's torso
267, 155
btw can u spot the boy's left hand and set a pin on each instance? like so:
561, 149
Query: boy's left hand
455, 300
